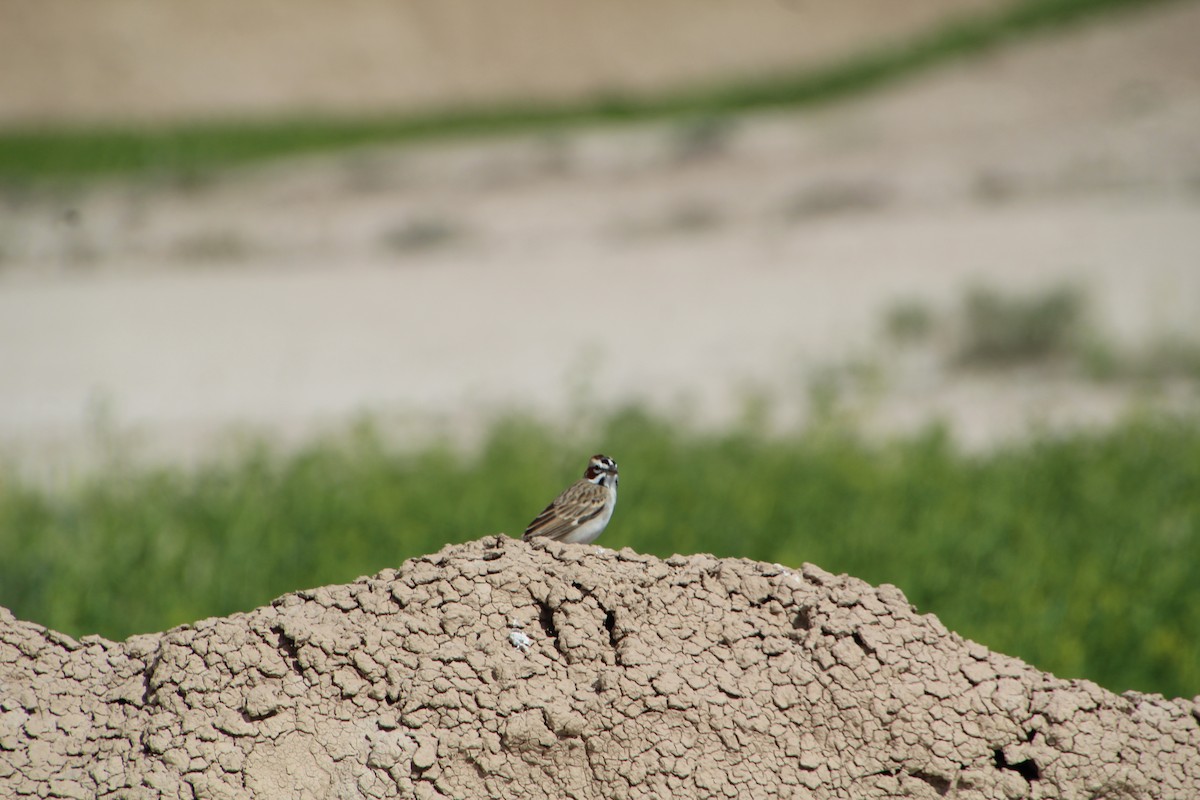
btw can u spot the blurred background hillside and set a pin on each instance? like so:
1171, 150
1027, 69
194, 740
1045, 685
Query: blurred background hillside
148, 61
290, 292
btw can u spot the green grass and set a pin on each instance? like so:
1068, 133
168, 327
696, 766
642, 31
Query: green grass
1001, 329
1080, 554
57, 154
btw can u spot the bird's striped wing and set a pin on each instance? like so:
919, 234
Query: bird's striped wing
582, 502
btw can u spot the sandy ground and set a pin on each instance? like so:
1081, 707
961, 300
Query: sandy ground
685, 264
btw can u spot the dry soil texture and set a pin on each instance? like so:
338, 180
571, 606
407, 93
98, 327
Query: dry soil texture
502, 669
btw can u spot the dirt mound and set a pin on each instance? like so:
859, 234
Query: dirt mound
497, 668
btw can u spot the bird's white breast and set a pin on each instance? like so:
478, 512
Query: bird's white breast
588, 531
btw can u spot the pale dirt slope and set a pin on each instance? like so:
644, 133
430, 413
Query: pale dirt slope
129, 61
692, 678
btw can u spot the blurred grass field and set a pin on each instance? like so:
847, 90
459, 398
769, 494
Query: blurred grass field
1079, 553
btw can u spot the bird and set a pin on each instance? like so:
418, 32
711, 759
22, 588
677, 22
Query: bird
582, 511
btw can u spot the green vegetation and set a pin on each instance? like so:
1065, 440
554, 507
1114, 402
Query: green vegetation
1051, 327
1171, 357
1078, 553
908, 322
1000, 329
422, 235
185, 153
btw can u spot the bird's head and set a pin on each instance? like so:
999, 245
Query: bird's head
601, 470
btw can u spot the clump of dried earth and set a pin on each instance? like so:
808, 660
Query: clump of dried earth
498, 668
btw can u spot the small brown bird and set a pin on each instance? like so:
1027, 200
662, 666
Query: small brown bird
579, 514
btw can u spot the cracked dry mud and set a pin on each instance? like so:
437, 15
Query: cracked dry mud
689, 677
